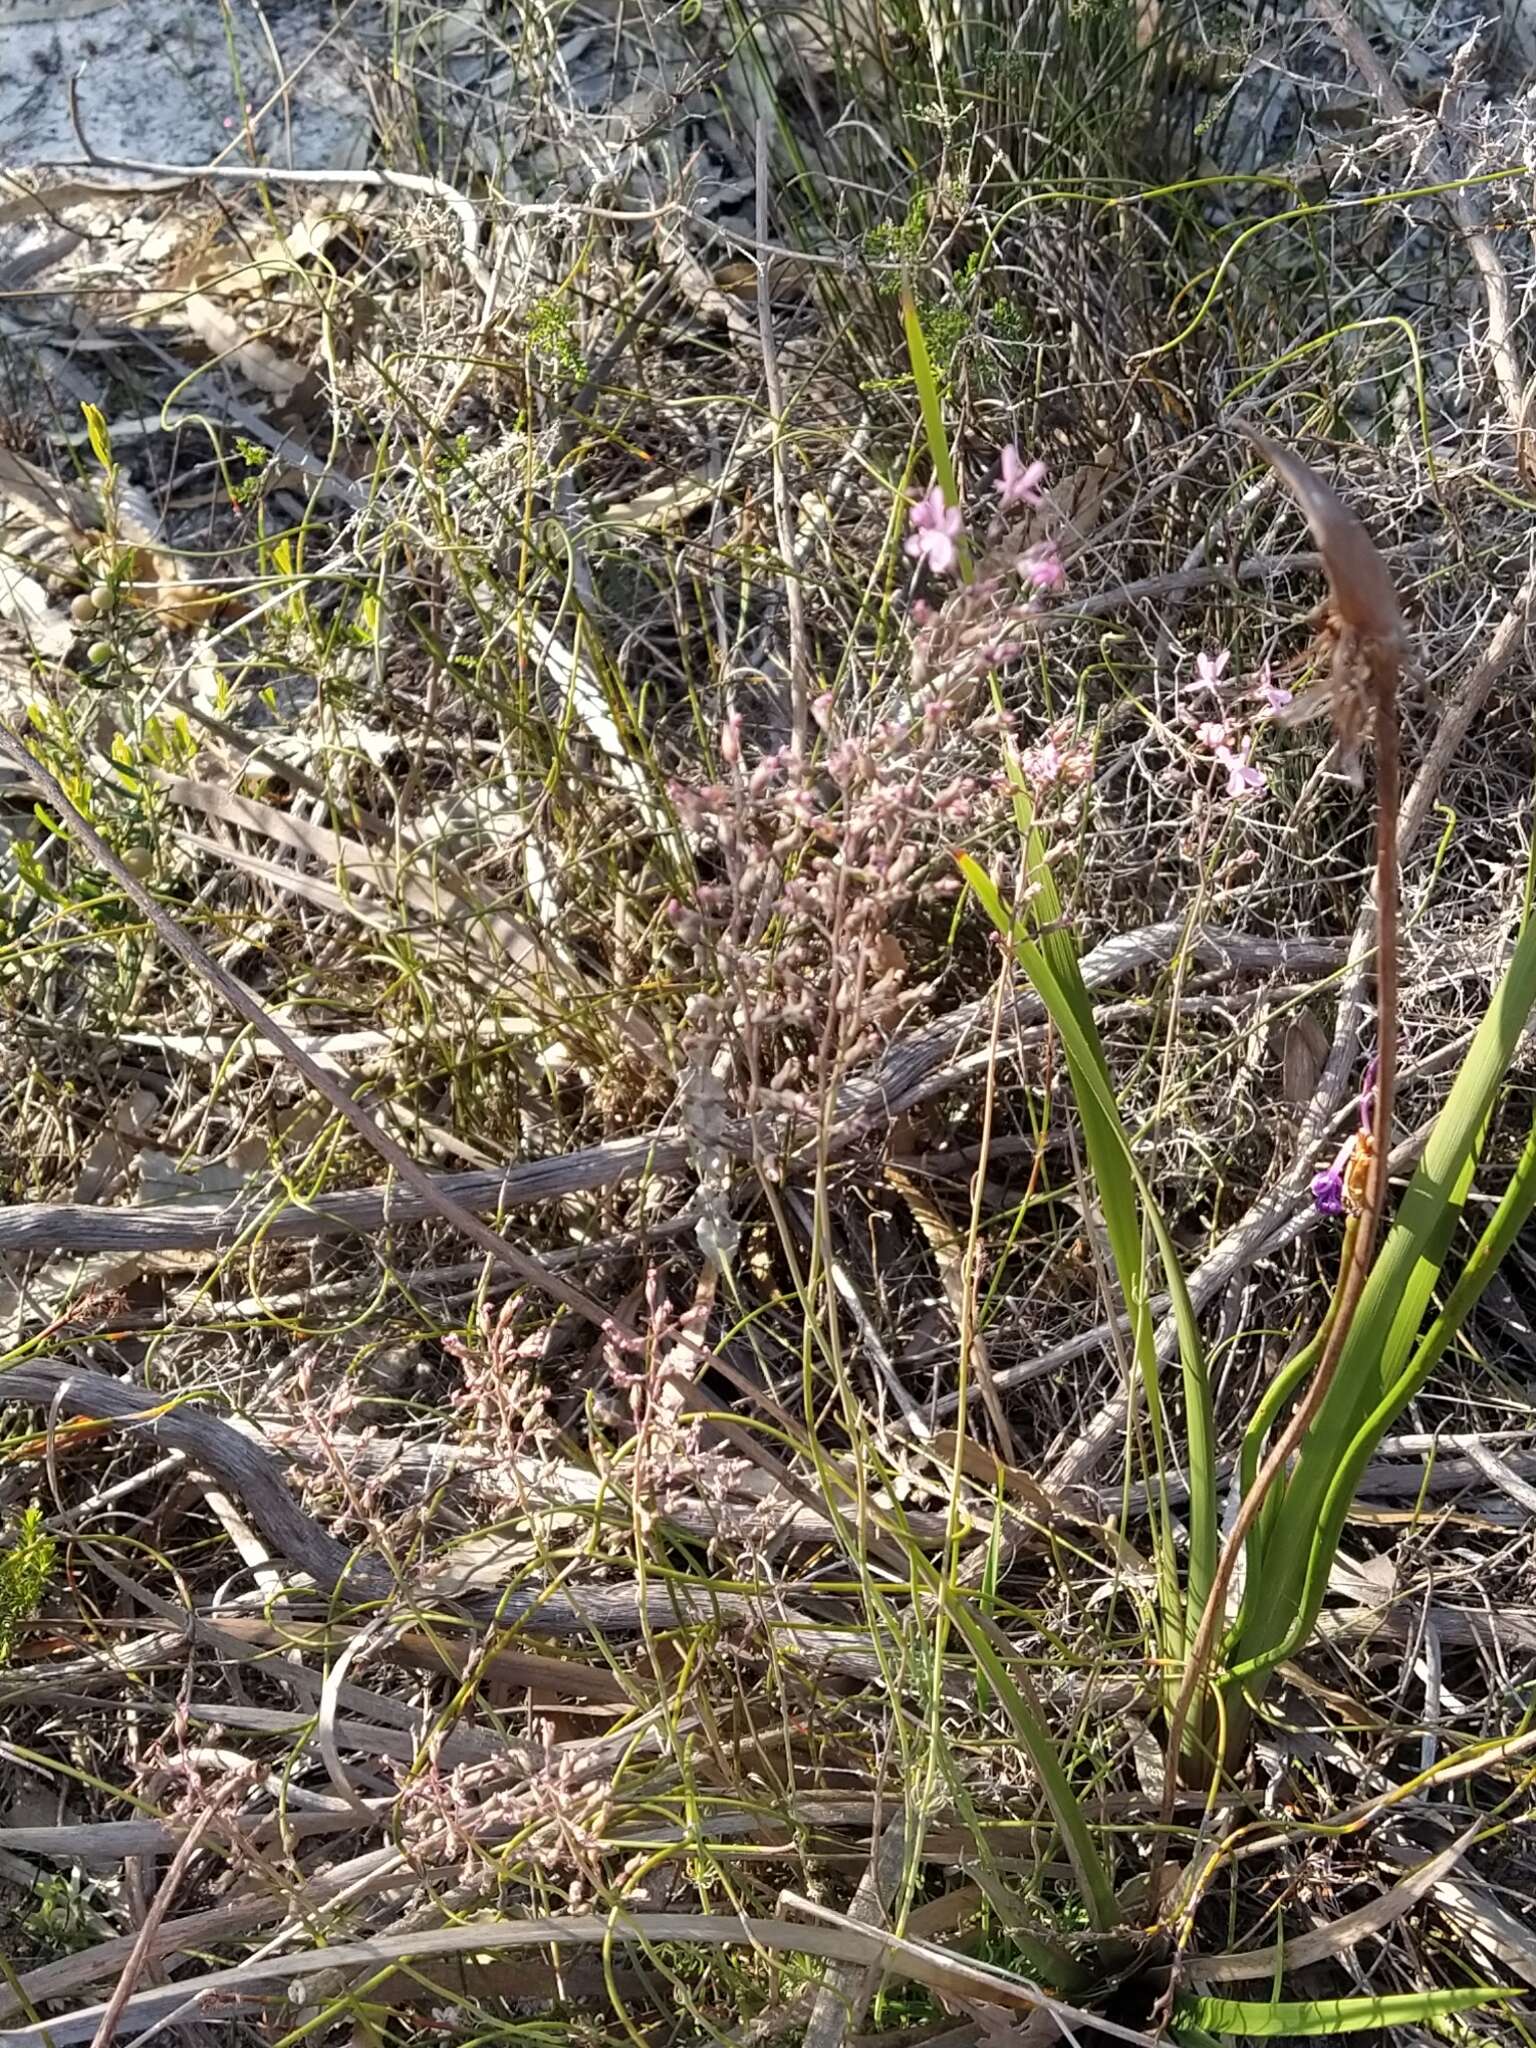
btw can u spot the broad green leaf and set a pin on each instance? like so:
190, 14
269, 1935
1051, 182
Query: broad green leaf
1375, 1380
1509, 1218
100, 435
1250, 2019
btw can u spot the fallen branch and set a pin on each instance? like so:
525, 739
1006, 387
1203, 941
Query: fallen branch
908, 1071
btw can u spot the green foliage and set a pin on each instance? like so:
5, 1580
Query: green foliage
1385, 1357
1265, 2019
26, 1565
256, 459
551, 342
59, 1918
894, 249
948, 329
929, 398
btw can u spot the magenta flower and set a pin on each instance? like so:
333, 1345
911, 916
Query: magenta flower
1243, 779
1042, 567
1329, 1187
1210, 668
1016, 483
935, 530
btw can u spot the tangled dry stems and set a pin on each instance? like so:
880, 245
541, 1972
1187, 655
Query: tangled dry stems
543, 665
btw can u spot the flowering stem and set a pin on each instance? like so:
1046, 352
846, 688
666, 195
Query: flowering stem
1375, 623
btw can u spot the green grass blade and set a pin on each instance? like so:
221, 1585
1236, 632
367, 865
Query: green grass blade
924, 377
1256, 2019
1045, 948
981, 1637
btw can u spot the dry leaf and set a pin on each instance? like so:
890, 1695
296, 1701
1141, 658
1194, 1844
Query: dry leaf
224, 336
1350, 1929
1303, 1056
25, 603
248, 272
696, 285
62, 508
106, 1164
948, 1249
653, 511
47, 200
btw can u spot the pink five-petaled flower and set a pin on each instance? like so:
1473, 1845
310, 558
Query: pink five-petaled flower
1018, 484
935, 529
1243, 779
1273, 696
1058, 757
1210, 668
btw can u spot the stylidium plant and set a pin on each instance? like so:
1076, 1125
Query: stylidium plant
1318, 1423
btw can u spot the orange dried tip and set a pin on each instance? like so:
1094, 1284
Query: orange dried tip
79, 1430
1357, 1174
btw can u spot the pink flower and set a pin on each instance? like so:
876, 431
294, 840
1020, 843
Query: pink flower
1213, 734
1042, 566
935, 529
1016, 484
1058, 757
1273, 696
1210, 668
996, 652
1243, 779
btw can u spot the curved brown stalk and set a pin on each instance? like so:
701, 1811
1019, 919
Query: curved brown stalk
1368, 658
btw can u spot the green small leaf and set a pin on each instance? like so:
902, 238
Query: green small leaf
1046, 949
1266, 2018
101, 438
